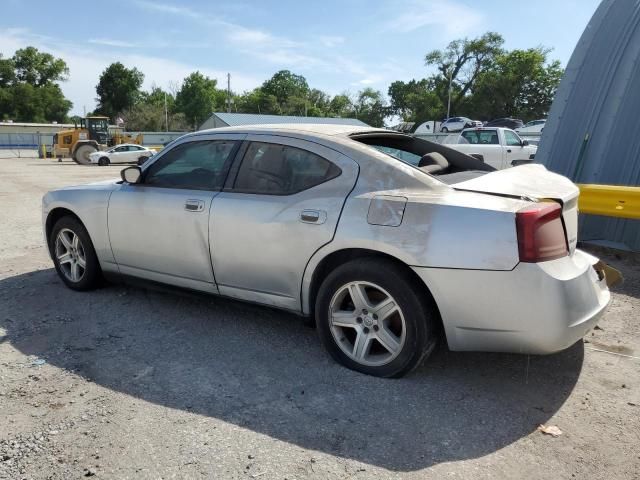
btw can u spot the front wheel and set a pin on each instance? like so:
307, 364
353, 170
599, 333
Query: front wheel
373, 319
445, 130
104, 161
73, 254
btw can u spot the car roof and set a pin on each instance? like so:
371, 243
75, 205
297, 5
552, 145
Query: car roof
320, 129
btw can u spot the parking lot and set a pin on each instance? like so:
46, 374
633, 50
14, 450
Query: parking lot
124, 382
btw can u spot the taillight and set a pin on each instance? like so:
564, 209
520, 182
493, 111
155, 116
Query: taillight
541, 235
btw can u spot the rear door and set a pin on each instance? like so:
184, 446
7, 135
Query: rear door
485, 143
280, 206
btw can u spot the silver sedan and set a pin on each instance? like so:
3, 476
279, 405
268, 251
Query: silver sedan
389, 242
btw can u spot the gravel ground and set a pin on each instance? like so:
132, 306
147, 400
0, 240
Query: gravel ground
129, 383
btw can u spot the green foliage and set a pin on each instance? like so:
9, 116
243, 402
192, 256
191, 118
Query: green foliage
28, 88
370, 107
118, 89
416, 100
285, 85
38, 68
198, 98
521, 84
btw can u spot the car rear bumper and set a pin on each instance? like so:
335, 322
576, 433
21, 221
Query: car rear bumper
536, 308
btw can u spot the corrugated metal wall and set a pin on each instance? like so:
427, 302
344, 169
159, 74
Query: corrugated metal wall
593, 131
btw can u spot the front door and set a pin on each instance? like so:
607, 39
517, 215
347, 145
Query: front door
159, 229
514, 150
283, 205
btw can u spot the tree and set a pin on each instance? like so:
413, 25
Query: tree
463, 61
118, 89
370, 107
38, 68
28, 88
284, 85
7, 72
416, 100
257, 101
521, 84
198, 98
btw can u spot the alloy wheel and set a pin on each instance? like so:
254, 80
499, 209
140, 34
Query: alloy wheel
70, 255
367, 323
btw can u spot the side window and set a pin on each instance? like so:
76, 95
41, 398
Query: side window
120, 149
272, 169
200, 165
512, 139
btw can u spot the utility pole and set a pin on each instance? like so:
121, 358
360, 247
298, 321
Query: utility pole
166, 114
228, 93
449, 101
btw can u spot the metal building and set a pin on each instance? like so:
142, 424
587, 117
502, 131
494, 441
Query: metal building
222, 119
593, 132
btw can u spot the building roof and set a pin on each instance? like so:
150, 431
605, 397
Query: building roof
240, 119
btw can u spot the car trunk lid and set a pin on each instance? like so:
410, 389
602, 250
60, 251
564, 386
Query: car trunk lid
535, 182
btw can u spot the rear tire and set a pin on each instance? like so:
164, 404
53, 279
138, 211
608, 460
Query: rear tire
73, 255
81, 155
388, 330
142, 160
104, 161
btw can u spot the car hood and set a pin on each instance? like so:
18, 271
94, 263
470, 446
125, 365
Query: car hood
103, 185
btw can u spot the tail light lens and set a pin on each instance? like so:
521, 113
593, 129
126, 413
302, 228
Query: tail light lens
541, 235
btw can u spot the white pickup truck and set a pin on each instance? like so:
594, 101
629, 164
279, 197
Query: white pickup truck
498, 147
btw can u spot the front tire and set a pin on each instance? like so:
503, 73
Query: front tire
73, 255
82, 153
373, 319
445, 130
104, 161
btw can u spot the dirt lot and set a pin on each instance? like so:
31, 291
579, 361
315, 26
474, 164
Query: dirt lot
129, 383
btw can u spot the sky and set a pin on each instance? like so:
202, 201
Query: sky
337, 45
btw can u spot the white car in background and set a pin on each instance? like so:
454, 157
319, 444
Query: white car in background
455, 124
534, 126
125, 153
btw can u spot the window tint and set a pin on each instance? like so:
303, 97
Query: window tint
272, 169
481, 137
120, 149
199, 165
512, 139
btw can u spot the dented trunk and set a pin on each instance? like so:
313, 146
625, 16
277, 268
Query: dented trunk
533, 182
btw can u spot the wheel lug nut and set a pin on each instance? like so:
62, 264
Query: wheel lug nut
366, 330
375, 317
375, 328
359, 319
364, 310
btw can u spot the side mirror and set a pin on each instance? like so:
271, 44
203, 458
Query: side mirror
525, 143
131, 175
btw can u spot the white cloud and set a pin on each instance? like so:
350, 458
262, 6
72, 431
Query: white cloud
108, 42
331, 41
454, 18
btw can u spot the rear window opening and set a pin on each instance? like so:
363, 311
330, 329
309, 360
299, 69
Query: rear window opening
447, 165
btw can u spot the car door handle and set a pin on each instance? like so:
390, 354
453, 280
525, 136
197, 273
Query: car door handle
508, 150
313, 216
194, 205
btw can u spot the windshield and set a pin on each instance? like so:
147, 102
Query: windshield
98, 124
